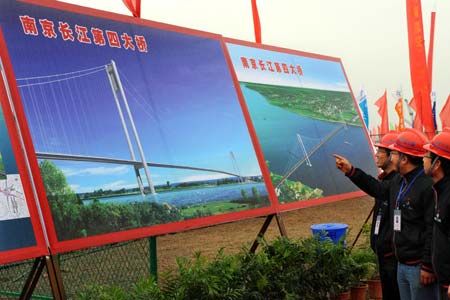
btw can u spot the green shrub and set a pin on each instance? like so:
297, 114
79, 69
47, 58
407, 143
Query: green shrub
284, 269
96, 292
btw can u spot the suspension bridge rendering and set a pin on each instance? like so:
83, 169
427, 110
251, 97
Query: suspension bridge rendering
66, 127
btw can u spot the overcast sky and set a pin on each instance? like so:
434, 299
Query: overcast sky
369, 36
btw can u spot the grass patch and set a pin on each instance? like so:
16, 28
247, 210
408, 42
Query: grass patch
2, 168
331, 106
212, 208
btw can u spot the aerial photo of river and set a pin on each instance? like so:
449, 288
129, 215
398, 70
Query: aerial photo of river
278, 132
302, 110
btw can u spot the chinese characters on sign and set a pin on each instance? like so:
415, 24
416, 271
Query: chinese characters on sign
82, 34
271, 66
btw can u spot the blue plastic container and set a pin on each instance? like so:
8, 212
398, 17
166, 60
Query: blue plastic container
333, 231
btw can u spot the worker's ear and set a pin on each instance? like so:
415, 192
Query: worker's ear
404, 158
437, 164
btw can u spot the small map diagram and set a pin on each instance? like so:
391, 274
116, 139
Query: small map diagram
13, 204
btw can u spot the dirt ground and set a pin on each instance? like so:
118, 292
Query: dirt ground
233, 236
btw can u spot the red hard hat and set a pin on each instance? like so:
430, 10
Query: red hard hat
388, 139
410, 142
440, 144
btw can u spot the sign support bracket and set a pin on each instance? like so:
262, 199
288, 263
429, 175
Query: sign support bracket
54, 276
264, 227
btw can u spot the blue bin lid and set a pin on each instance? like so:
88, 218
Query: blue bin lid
329, 226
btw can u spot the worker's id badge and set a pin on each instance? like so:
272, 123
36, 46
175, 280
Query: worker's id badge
377, 225
397, 219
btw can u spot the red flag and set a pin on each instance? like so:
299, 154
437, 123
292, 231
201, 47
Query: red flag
430, 51
401, 118
445, 114
418, 66
134, 6
383, 112
256, 23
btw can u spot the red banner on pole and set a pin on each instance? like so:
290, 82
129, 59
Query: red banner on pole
418, 66
134, 6
256, 22
445, 114
417, 123
430, 51
383, 112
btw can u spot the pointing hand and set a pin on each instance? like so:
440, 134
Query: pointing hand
342, 163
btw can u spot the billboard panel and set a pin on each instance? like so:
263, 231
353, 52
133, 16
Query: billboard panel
134, 128
20, 229
303, 111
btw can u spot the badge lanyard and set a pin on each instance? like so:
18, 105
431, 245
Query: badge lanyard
401, 194
377, 224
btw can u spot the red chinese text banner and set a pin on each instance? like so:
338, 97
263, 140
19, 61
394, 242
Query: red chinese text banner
418, 68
